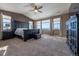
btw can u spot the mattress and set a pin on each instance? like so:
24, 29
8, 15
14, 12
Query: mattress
20, 32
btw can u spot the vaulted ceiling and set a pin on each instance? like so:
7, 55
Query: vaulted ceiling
48, 10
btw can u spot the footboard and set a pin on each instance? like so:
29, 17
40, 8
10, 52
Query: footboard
31, 33
26, 35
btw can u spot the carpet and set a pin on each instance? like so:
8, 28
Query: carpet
45, 46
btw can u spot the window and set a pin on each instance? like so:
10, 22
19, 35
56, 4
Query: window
38, 24
46, 24
30, 25
56, 23
6, 22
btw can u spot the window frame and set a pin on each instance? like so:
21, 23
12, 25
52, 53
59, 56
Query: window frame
56, 23
38, 25
30, 25
46, 22
5, 17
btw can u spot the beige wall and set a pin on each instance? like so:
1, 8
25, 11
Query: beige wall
15, 16
62, 31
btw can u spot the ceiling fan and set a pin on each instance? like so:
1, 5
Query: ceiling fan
36, 7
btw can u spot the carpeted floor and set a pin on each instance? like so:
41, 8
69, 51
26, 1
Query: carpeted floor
46, 46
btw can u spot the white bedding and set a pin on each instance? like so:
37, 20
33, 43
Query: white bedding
19, 31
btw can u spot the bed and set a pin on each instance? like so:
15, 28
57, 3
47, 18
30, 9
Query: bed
27, 33
20, 32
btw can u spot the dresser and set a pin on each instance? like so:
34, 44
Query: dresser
7, 35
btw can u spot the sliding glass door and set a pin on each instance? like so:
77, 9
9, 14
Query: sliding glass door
46, 26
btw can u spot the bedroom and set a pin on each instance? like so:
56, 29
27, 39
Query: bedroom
35, 29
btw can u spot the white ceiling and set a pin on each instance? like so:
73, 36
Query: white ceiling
48, 10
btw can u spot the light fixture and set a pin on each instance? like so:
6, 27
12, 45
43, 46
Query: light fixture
35, 11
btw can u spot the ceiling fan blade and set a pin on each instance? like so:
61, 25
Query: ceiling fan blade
31, 10
39, 11
40, 7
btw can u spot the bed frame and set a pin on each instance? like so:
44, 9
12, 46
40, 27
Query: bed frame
31, 33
